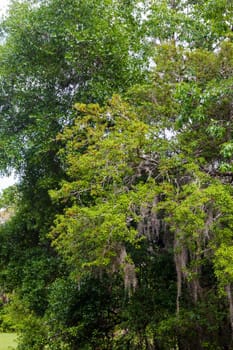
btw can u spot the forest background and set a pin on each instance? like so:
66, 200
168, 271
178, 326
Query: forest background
117, 118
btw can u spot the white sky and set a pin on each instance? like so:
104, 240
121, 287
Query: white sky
6, 181
3, 5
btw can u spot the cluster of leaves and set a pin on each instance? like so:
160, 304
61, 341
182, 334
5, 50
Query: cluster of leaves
122, 230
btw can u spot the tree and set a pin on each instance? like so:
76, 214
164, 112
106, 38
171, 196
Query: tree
52, 54
139, 207
147, 174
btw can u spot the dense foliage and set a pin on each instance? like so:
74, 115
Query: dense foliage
118, 118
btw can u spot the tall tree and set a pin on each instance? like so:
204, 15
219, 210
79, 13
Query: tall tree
141, 190
52, 54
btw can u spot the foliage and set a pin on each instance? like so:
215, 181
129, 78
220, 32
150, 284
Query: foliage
122, 230
52, 55
9, 197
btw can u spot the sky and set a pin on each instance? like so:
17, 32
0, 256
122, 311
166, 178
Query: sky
5, 181
3, 5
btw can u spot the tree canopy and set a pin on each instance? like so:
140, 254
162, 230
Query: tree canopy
118, 118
